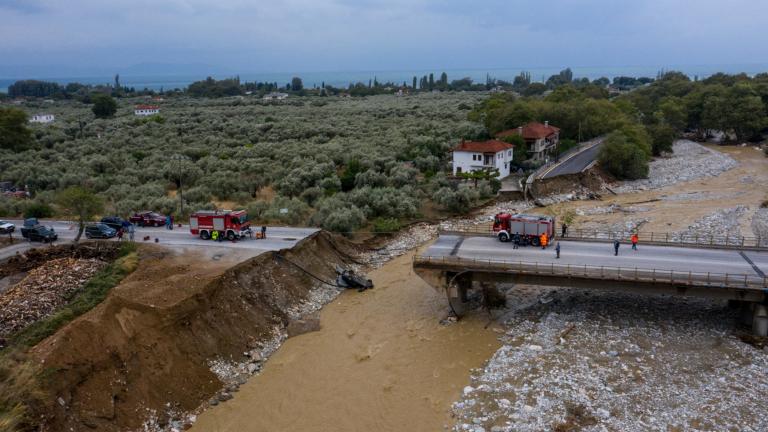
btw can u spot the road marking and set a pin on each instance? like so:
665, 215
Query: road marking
457, 246
757, 269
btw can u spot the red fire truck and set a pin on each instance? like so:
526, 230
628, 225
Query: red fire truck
232, 225
530, 227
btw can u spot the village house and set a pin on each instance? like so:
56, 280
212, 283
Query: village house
541, 139
471, 156
275, 96
42, 118
146, 110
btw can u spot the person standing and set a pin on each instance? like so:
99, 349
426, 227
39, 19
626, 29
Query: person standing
565, 230
557, 250
634, 241
215, 236
616, 245
516, 241
263, 231
120, 234
131, 232
543, 240
168, 222
170, 225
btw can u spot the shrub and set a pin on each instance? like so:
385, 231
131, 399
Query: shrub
344, 220
37, 209
386, 225
458, 201
622, 158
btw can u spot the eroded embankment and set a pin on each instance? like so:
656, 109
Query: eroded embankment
145, 351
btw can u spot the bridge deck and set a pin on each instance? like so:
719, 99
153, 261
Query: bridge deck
745, 269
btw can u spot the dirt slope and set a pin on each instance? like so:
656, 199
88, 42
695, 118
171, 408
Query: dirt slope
145, 350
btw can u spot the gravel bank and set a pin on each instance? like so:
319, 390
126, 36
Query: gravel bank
760, 225
613, 361
690, 161
720, 225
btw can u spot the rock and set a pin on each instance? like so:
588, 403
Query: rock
303, 325
213, 402
252, 368
602, 413
613, 353
61, 402
534, 347
468, 390
224, 396
256, 356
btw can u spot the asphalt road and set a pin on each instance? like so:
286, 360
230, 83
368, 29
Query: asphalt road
575, 164
601, 254
180, 238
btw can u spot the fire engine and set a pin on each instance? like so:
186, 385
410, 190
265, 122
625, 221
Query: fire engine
232, 225
530, 227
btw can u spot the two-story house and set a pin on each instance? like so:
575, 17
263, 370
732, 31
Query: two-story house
471, 156
42, 118
146, 110
541, 139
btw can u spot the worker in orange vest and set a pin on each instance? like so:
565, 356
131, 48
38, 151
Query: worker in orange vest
634, 241
543, 240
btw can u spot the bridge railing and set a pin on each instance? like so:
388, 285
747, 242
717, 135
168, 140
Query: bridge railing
708, 279
654, 238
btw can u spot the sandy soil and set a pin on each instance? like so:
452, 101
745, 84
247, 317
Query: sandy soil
675, 207
381, 362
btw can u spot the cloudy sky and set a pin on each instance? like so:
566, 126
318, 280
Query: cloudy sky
336, 35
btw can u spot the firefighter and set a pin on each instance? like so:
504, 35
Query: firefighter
543, 240
634, 241
215, 236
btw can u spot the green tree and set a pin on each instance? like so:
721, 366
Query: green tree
14, 133
104, 106
623, 158
662, 137
80, 203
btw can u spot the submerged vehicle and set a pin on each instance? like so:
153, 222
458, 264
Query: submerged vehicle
347, 278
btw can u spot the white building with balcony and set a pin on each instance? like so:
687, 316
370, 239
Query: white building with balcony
483, 155
146, 110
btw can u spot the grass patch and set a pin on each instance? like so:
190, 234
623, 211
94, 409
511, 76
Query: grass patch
20, 392
92, 293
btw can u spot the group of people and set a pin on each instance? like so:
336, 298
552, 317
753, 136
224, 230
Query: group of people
518, 240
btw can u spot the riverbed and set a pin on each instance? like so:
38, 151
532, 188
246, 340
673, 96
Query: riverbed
380, 362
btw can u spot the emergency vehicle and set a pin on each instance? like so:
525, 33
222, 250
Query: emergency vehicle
530, 227
231, 224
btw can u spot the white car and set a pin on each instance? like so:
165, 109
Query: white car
6, 227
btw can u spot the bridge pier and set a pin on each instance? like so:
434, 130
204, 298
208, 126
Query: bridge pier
760, 320
458, 286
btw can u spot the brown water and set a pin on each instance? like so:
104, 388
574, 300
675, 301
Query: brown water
381, 362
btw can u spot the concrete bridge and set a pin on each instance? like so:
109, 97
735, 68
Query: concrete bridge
458, 264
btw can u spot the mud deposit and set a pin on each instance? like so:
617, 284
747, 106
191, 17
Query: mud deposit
380, 362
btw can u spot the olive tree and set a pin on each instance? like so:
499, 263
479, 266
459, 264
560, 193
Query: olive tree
81, 203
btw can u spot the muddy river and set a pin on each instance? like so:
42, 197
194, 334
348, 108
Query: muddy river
381, 362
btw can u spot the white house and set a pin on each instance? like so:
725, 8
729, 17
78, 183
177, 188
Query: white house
42, 118
481, 155
275, 96
146, 110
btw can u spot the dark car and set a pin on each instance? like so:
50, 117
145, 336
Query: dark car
100, 230
114, 222
29, 223
41, 233
148, 218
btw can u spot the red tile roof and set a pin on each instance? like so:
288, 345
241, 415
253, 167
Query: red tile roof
147, 107
490, 146
532, 131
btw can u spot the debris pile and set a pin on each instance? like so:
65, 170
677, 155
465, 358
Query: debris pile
43, 291
690, 161
403, 241
613, 208
616, 361
719, 226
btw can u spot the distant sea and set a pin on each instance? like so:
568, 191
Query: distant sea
344, 78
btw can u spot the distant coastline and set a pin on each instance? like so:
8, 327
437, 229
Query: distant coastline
344, 78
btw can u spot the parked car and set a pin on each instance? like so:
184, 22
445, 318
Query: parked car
29, 223
6, 227
148, 218
41, 233
100, 230
114, 222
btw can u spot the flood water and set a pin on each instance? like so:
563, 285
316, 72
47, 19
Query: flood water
381, 362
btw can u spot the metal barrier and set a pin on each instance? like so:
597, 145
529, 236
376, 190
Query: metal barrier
720, 280
670, 239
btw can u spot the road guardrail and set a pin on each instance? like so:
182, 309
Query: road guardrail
636, 274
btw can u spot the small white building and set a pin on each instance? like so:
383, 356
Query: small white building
146, 110
483, 155
42, 118
275, 96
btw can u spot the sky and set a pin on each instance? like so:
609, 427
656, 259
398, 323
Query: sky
60, 37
